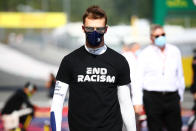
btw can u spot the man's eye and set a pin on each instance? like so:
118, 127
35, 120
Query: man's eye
100, 29
89, 28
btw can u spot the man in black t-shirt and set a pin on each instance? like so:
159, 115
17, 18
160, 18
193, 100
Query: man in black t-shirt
98, 79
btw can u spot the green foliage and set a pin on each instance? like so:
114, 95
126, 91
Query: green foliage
118, 11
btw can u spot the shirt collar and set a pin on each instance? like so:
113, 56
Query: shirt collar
96, 51
157, 49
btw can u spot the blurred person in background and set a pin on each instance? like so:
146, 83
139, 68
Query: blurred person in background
50, 84
131, 52
20, 100
193, 91
132, 49
98, 79
159, 84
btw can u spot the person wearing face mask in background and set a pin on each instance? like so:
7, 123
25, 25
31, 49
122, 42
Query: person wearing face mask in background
131, 49
20, 100
98, 80
159, 84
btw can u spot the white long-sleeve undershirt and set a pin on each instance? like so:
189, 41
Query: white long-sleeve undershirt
126, 107
57, 104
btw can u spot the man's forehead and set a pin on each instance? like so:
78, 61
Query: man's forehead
93, 18
158, 30
95, 22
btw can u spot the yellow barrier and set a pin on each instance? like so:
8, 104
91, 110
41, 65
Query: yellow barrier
187, 68
46, 128
27, 121
32, 20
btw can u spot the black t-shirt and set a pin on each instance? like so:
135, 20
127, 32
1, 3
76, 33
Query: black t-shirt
93, 81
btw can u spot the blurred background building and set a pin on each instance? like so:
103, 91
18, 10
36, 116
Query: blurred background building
46, 29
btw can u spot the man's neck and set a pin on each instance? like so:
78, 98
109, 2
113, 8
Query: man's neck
162, 48
96, 51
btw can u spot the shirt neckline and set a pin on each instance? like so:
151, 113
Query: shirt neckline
157, 49
96, 51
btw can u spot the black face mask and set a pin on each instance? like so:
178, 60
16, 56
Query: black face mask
94, 38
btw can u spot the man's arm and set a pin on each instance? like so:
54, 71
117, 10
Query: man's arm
126, 107
57, 105
25, 98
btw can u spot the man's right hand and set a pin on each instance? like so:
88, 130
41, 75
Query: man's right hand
139, 109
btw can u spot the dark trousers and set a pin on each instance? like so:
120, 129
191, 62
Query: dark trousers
162, 110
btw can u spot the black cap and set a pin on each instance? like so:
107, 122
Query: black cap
30, 86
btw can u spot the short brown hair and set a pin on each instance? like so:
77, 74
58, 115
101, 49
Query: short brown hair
95, 12
154, 27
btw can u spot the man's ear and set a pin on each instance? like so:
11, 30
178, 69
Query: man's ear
151, 38
83, 28
106, 28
